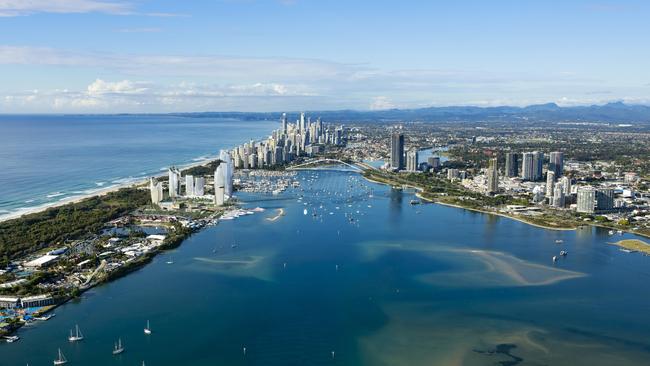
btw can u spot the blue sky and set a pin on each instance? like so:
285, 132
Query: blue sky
103, 56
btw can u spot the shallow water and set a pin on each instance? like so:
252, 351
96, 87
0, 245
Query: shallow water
394, 284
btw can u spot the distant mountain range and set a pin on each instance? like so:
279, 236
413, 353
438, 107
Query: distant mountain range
612, 113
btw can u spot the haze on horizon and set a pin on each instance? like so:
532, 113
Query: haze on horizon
110, 56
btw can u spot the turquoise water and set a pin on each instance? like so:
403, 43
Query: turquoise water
391, 284
48, 158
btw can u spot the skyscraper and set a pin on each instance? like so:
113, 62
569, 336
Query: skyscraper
512, 165
586, 200
219, 185
189, 185
434, 162
556, 163
538, 164
412, 160
397, 151
284, 123
528, 166
156, 190
550, 184
558, 196
199, 186
492, 177
605, 199
174, 182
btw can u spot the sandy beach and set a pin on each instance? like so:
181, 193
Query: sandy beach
96, 193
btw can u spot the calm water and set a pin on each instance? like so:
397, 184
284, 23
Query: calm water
44, 159
397, 285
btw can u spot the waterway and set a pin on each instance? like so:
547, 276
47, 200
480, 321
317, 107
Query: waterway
364, 278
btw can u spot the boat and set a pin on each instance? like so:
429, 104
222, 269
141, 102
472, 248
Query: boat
414, 202
554, 258
170, 262
118, 348
45, 317
564, 253
611, 232
147, 329
559, 241
61, 359
11, 339
76, 335
304, 212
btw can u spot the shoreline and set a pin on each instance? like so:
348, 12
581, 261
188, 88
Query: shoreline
280, 213
592, 224
99, 192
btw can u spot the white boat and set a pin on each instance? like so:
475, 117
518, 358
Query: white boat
304, 212
76, 335
147, 329
611, 232
554, 258
559, 241
45, 317
12, 339
118, 348
61, 359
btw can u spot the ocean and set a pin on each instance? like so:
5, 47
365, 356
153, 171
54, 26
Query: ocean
48, 158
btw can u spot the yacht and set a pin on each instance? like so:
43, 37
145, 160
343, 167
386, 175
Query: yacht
147, 329
76, 335
118, 348
12, 339
61, 359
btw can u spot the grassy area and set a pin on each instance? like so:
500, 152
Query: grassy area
634, 244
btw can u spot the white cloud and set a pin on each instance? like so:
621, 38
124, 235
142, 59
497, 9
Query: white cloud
99, 87
381, 102
26, 7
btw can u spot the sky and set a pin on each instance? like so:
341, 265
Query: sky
150, 56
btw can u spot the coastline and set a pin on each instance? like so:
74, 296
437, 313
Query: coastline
593, 224
97, 193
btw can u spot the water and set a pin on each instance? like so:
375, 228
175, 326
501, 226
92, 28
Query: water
399, 284
45, 159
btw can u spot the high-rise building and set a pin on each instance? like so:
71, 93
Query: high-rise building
219, 185
492, 177
199, 186
550, 184
556, 163
156, 189
452, 174
412, 160
512, 165
605, 199
434, 162
397, 151
538, 163
566, 185
586, 200
189, 185
558, 196
284, 123
527, 167
174, 183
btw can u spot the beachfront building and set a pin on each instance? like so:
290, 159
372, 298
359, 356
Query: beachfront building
174, 184
189, 185
156, 190
219, 185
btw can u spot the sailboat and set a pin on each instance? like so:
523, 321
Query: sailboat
147, 329
118, 348
61, 359
76, 335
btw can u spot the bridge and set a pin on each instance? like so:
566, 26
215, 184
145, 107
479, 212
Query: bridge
313, 164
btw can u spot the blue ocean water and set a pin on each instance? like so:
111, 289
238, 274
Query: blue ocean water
47, 158
363, 278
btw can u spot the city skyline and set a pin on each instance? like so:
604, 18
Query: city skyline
99, 56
